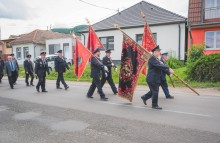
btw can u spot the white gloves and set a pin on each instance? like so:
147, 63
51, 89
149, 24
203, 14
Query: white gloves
106, 68
171, 71
113, 64
106, 74
116, 69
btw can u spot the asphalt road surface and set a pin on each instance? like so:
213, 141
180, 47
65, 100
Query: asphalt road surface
61, 116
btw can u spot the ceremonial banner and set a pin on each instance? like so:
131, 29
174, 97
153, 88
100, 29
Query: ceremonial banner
81, 58
148, 43
93, 40
132, 60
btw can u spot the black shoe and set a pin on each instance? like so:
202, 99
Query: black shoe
37, 88
27, 84
89, 96
32, 84
12, 87
144, 100
59, 88
116, 93
67, 87
170, 97
157, 107
104, 99
44, 91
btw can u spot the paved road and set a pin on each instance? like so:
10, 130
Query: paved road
61, 116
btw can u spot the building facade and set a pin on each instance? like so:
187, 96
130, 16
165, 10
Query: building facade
204, 24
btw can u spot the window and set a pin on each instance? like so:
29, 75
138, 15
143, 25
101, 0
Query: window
66, 50
18, 52
108, 42
139, 38
53, 48
212, 9
212, 40
25, 51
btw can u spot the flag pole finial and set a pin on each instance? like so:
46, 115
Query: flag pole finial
117, 26
87, 20
74, 36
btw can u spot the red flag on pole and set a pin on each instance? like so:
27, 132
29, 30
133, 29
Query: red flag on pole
81, 58
93, 40
148, 42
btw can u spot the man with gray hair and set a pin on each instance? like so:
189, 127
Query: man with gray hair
11, 70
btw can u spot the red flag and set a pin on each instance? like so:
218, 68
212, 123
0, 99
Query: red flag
148, 42
132, 60
93, 40
81, 58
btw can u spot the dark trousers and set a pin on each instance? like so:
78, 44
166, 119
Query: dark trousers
110, 82
12, 78
27, 78
96, 82
153, 93
41, 83
1, 76
16, 76
61, 79
163, 84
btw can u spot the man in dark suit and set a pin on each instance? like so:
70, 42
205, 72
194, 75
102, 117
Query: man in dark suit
16, 62
11, 70
2, 65
41, 67
96, 67
155, 66
60, 68
29, 71
108, 62
163, 80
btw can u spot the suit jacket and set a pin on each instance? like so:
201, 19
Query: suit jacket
155, 69
60, 65
107, 62
16, 62
163, 74
41, 68
96, 67
8, 70
2, 65
28, 66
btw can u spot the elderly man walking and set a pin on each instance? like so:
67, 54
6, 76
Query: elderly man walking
11, 70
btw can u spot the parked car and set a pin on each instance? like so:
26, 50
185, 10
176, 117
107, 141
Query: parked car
50, 59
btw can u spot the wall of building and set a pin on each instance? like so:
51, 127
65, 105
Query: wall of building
198, 36
167, 38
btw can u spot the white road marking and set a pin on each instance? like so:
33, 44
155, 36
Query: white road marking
145, 107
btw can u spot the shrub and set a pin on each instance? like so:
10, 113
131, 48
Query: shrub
174, 63
195, 52
206, 68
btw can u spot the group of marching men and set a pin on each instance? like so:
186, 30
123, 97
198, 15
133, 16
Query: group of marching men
156, 76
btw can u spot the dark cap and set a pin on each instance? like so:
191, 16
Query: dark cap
96, 51
43, 52
60, 51
28, 56
108, 51
164, 54
157, 48
12, 54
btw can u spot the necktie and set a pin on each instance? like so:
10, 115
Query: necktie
12, 66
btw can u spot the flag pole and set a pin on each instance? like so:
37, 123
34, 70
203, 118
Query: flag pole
145, 50
148, 27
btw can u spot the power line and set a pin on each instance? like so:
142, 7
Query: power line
99, 6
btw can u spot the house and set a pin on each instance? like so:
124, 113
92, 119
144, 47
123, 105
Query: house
204, 24
5, 47
169, 29
65, 44
33, 43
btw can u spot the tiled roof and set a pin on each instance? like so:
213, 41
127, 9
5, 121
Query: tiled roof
38, 37
131, 17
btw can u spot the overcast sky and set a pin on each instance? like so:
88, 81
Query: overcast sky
22, 16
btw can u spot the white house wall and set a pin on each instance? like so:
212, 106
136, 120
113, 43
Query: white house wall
34, 50
167, 38
61, 41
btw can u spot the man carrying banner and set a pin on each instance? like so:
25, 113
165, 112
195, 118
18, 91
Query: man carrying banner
155, 66
108, 62
163, 80
96, 67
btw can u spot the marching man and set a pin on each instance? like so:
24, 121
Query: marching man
29, 71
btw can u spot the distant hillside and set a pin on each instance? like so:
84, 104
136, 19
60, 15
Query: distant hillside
74, 30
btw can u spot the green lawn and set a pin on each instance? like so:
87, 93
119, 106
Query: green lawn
181, 72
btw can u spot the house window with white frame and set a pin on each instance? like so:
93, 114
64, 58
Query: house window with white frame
25, 51
212, 9
53, 48
108, 42
140, 36
212, 40
18, 52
